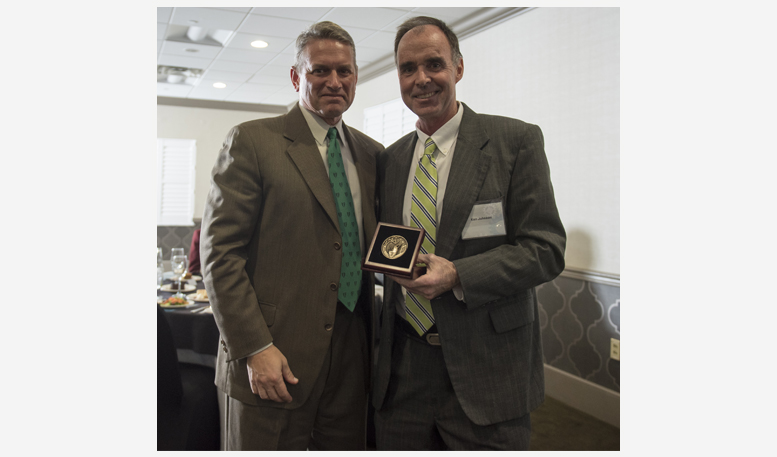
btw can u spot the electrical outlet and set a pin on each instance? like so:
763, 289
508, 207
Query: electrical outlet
615, 349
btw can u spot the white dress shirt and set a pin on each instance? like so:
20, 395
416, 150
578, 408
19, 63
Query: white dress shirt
445, 139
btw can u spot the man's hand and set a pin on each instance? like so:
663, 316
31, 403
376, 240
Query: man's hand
266, 373
441, 276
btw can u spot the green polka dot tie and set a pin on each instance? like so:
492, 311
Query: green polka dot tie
423, 213
350, 267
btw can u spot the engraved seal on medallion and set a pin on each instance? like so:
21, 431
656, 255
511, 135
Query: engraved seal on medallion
393, 247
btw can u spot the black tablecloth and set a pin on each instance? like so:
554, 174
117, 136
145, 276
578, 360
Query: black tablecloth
195, 335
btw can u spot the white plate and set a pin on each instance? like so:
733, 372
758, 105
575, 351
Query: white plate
188, 303
184, 288
196, 298
169, 275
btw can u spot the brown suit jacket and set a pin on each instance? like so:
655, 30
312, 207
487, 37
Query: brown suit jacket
270, 249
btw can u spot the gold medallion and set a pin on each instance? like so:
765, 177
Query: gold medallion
394, 247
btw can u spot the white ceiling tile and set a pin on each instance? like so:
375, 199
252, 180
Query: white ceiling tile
358, 34
244, 9
208, 18
181, 61
227, 76
240, 55
305, 14
273, 26
381, 40
172, 90
206, 90
285, 60
163, 13
160, 30
158, 47
370, 54
272, 79
244, 40
237, 67
275, 70
452, 14
180, 49
369, 18
394, 25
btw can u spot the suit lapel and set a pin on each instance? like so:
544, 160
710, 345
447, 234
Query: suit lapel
468, 170
304, 152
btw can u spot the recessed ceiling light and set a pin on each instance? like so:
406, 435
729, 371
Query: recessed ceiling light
194, 21
260, 44
219, 85
191, 50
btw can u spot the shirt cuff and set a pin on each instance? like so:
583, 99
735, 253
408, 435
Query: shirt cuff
260, 350
458, 292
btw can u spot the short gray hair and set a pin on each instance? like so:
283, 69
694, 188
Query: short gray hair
420, 21
325, 30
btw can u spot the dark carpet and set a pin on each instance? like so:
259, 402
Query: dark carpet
558, 427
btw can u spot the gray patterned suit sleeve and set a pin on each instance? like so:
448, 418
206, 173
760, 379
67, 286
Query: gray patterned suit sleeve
532, 252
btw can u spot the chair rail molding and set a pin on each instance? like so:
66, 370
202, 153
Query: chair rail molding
592, 276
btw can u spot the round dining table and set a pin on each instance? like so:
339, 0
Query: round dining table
195, 334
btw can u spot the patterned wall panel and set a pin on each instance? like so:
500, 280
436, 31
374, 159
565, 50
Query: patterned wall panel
578, 317
169, 237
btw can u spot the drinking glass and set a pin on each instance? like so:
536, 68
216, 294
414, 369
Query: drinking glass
159, 268
179, 264
176, 251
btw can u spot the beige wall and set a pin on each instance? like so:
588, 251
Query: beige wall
209, 127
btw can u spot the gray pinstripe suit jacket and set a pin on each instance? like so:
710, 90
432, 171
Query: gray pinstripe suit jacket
491, 343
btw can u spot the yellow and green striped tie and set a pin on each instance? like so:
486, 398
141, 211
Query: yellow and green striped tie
423, 213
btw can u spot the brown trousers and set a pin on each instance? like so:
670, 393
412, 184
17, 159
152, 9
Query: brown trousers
333, 418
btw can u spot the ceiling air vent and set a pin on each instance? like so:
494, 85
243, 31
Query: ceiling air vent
197, 35
177, 75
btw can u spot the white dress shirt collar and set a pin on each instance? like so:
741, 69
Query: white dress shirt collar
445, 136
319, 128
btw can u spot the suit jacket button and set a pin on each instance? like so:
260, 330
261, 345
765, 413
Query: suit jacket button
337, 246
328, 327
333, 286
225, 349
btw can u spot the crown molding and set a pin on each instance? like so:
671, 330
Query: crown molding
216, 104
477, 22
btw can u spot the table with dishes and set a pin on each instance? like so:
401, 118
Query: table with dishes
194, 329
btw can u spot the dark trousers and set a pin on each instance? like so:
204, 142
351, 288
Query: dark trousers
421, 410
333, 418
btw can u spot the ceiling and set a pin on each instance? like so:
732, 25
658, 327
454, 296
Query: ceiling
201, 47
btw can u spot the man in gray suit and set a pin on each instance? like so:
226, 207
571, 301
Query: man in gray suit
460, 361
291, 201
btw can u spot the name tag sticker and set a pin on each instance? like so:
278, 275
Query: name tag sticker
486, 219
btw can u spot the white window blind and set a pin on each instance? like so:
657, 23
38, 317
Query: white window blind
388, 122
175, 181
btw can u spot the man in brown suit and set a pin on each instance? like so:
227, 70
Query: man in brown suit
292, 201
